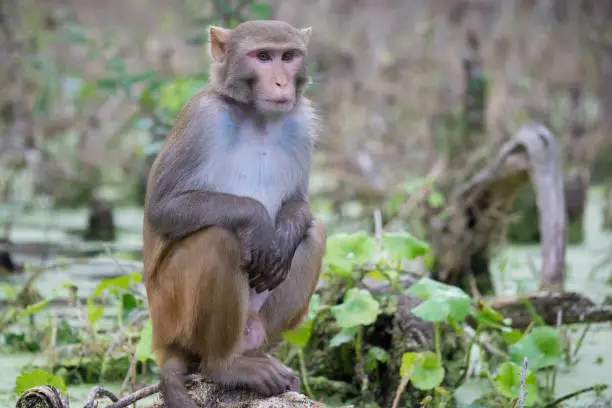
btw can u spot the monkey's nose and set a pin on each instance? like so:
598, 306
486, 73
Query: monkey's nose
280, 83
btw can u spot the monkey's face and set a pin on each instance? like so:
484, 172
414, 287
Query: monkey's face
278, 77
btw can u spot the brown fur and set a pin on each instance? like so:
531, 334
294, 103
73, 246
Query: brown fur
205, 249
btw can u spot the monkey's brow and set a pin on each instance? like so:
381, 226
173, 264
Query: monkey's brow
277, 49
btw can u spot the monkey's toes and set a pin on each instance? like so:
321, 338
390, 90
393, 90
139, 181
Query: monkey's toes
295, 384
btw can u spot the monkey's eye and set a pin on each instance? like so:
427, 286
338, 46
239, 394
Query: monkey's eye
288, 56
264, 55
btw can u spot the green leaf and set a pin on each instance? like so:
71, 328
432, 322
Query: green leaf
512, 336
128, 304
345, 335
38, 378
407, 366
543, 347
345, 251
440, 301
487, 317
358, 308
404, 246
508, 382
373, 356
300, 336
425, 369
34, 308
143, 348
94, 312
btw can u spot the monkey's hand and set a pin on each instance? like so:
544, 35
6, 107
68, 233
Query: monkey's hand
260, 254
273, 270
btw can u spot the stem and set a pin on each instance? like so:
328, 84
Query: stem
304, 374
467, 359
439, 355
400, 389
581, 340
597, 387
359, 356
437, 340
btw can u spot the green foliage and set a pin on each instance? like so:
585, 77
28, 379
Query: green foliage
359, 308
403, 246
345, 252
424, 369
300, 336
441, 302
543, 347
508, 381
38, 378
145, 342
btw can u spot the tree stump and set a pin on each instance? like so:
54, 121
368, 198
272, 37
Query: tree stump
463, 236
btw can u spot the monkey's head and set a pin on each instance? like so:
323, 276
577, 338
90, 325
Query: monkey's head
262, 63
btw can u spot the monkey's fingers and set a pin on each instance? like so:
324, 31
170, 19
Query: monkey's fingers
270, 281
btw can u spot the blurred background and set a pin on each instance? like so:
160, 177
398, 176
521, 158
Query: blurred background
415, 97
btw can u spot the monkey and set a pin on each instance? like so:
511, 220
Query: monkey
232, 253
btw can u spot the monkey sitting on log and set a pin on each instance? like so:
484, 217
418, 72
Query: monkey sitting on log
232, 254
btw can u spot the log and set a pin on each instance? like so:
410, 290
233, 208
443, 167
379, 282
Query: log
574, 308
204, 394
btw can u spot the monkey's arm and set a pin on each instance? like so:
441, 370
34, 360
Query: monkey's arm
292, 223
179, 204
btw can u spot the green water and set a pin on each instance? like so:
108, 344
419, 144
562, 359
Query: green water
594, 360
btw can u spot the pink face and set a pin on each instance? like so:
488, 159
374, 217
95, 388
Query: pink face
276, 70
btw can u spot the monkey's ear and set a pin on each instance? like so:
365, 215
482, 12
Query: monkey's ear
217, 42
306, 33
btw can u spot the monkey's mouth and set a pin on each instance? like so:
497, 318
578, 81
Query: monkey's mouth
279, 102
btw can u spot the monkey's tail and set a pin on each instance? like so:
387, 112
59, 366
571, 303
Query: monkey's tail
172, 385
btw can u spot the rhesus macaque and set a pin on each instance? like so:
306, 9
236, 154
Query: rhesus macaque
232, 254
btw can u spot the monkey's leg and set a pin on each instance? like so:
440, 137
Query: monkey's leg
201, 308
288, 304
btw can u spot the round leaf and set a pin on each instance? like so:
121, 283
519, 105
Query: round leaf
440, 301
38, 378
343, 336
428, 371
358, 308
508, 382
403, 246
344, 252
543, 347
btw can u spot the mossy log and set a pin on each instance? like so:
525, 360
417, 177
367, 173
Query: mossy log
472, 223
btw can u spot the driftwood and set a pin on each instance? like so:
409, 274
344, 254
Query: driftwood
477, 208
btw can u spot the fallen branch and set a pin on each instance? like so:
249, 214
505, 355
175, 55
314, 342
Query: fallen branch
574, 308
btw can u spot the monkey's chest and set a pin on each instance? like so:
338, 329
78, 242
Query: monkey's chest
261, 171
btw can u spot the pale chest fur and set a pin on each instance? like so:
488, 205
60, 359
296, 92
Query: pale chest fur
267, 165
